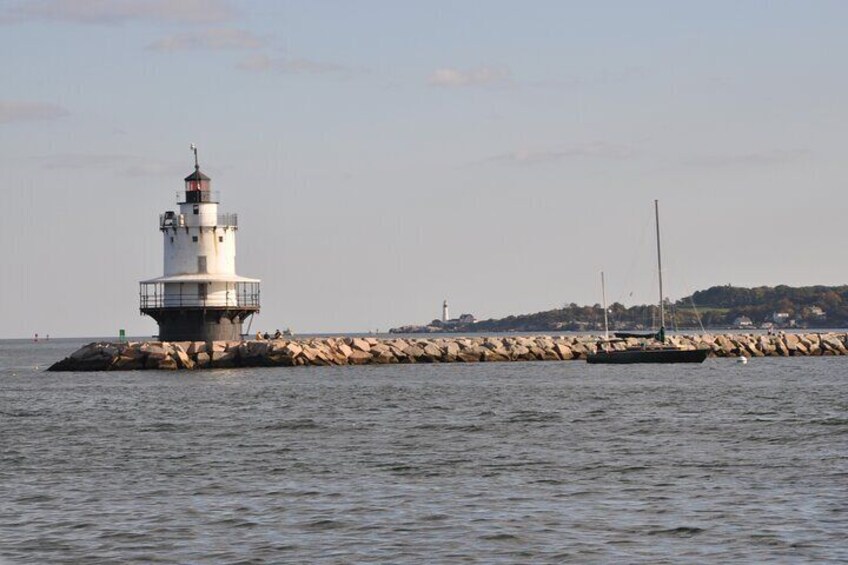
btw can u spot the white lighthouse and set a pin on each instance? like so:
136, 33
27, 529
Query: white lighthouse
200, 297
445, 312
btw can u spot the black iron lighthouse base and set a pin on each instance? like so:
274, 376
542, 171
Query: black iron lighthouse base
199, 324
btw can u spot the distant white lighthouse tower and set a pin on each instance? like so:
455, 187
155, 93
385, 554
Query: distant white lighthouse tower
445, 311
200, 297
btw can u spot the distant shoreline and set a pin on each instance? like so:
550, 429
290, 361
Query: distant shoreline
469, 333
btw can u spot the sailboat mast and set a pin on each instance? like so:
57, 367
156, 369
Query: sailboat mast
659, 267
604, 298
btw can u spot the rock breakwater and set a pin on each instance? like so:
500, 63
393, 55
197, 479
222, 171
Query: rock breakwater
107, 356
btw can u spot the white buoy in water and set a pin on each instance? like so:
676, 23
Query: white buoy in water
742, 360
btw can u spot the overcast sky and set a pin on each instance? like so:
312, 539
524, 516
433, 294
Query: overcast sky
383, 156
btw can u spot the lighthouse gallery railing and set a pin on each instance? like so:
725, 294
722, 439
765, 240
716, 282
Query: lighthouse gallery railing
237, 296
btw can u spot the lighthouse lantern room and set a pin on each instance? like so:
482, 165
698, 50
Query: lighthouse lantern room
200, 297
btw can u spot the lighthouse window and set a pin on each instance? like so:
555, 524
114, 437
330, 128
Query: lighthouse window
194, 238
196, 209
201, 263
172, 239
221, 238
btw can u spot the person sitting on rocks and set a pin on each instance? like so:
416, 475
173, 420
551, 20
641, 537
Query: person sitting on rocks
258, 336
266, 336
278, 334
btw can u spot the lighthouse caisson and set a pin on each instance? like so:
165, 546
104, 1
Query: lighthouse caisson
200, 297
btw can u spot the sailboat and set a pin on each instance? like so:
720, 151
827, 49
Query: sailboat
659, 352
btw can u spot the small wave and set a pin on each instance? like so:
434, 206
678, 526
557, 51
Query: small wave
235, 523
467, 428
226, 434
428, 426
159, 427
831, 422
547, 482
629, 469
324, 524
299, 424
31, 498
767, 539
123, 535
533, 416
22, 413
397, 467
435, 518
501, 537
578, 494
682, 531
450, 427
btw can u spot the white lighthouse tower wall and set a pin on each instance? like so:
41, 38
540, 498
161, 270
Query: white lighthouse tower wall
196, 243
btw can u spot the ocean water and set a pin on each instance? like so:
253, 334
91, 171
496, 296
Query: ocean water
486, 463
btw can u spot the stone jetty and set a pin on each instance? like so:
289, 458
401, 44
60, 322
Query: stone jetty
156, 355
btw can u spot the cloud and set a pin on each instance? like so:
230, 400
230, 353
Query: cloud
598, 150
122, 11
160, 169
116, 164
72, 161
755, 159
219, 39
264, 63
23, 111
483, 76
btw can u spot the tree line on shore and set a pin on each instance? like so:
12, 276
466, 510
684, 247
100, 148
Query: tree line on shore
716, 307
